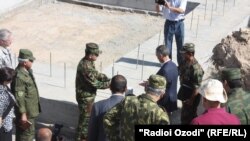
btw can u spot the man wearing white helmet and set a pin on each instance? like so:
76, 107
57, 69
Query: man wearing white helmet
213, 95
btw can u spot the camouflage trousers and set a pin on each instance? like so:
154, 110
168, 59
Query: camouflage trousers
189, 112
85, 102
28, 134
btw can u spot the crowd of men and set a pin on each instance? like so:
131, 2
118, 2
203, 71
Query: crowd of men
113, 119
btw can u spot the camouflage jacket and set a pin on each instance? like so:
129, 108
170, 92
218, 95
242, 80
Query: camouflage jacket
120, 120
238, 104
191, 74
88, 79
25, 91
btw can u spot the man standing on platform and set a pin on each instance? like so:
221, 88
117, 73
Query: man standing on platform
170, 72
88, 80
174, 13
27, 98
191, 74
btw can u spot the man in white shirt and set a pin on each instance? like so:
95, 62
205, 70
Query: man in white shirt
6, 57
174, 13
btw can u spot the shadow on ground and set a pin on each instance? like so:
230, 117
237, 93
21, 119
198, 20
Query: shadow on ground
140, 62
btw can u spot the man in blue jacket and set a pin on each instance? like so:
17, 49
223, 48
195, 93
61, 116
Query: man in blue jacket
170, 72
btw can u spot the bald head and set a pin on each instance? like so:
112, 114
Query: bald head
44, 134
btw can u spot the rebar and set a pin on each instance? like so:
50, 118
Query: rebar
224, 7
137, 58
142, 67
205, 10
211, 19
197, 28
216, 4
192, 20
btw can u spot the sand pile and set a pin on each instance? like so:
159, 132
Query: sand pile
234, 51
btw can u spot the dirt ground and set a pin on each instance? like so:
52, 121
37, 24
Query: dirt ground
233, 52
64, 29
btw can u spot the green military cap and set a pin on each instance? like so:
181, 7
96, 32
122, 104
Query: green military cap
157, 82
187, 47
25, 55
231, 74
92, 48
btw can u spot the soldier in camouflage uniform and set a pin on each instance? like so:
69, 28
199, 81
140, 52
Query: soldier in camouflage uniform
238, 99
191, 74
25, 90
88, 80
120, 120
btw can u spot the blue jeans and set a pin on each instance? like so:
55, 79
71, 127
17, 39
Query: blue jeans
170, 29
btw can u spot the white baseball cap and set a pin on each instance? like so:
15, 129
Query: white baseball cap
213, 90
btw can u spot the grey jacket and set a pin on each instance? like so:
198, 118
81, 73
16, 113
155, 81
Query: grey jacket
96, 131
6, 58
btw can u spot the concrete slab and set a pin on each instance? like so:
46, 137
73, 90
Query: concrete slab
59, 102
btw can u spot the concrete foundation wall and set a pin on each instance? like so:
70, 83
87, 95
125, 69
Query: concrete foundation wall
137, 4
60, 112
7, 5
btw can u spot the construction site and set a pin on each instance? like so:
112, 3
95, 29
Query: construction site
128, 33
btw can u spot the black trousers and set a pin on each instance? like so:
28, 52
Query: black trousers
5, 136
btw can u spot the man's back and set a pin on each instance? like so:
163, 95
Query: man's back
216, 116
148, 112
132, 111
96, 131
170, 72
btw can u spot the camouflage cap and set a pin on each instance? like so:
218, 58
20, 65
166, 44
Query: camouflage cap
188, 47
157, 82
92, 48
231, 74
25, 55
